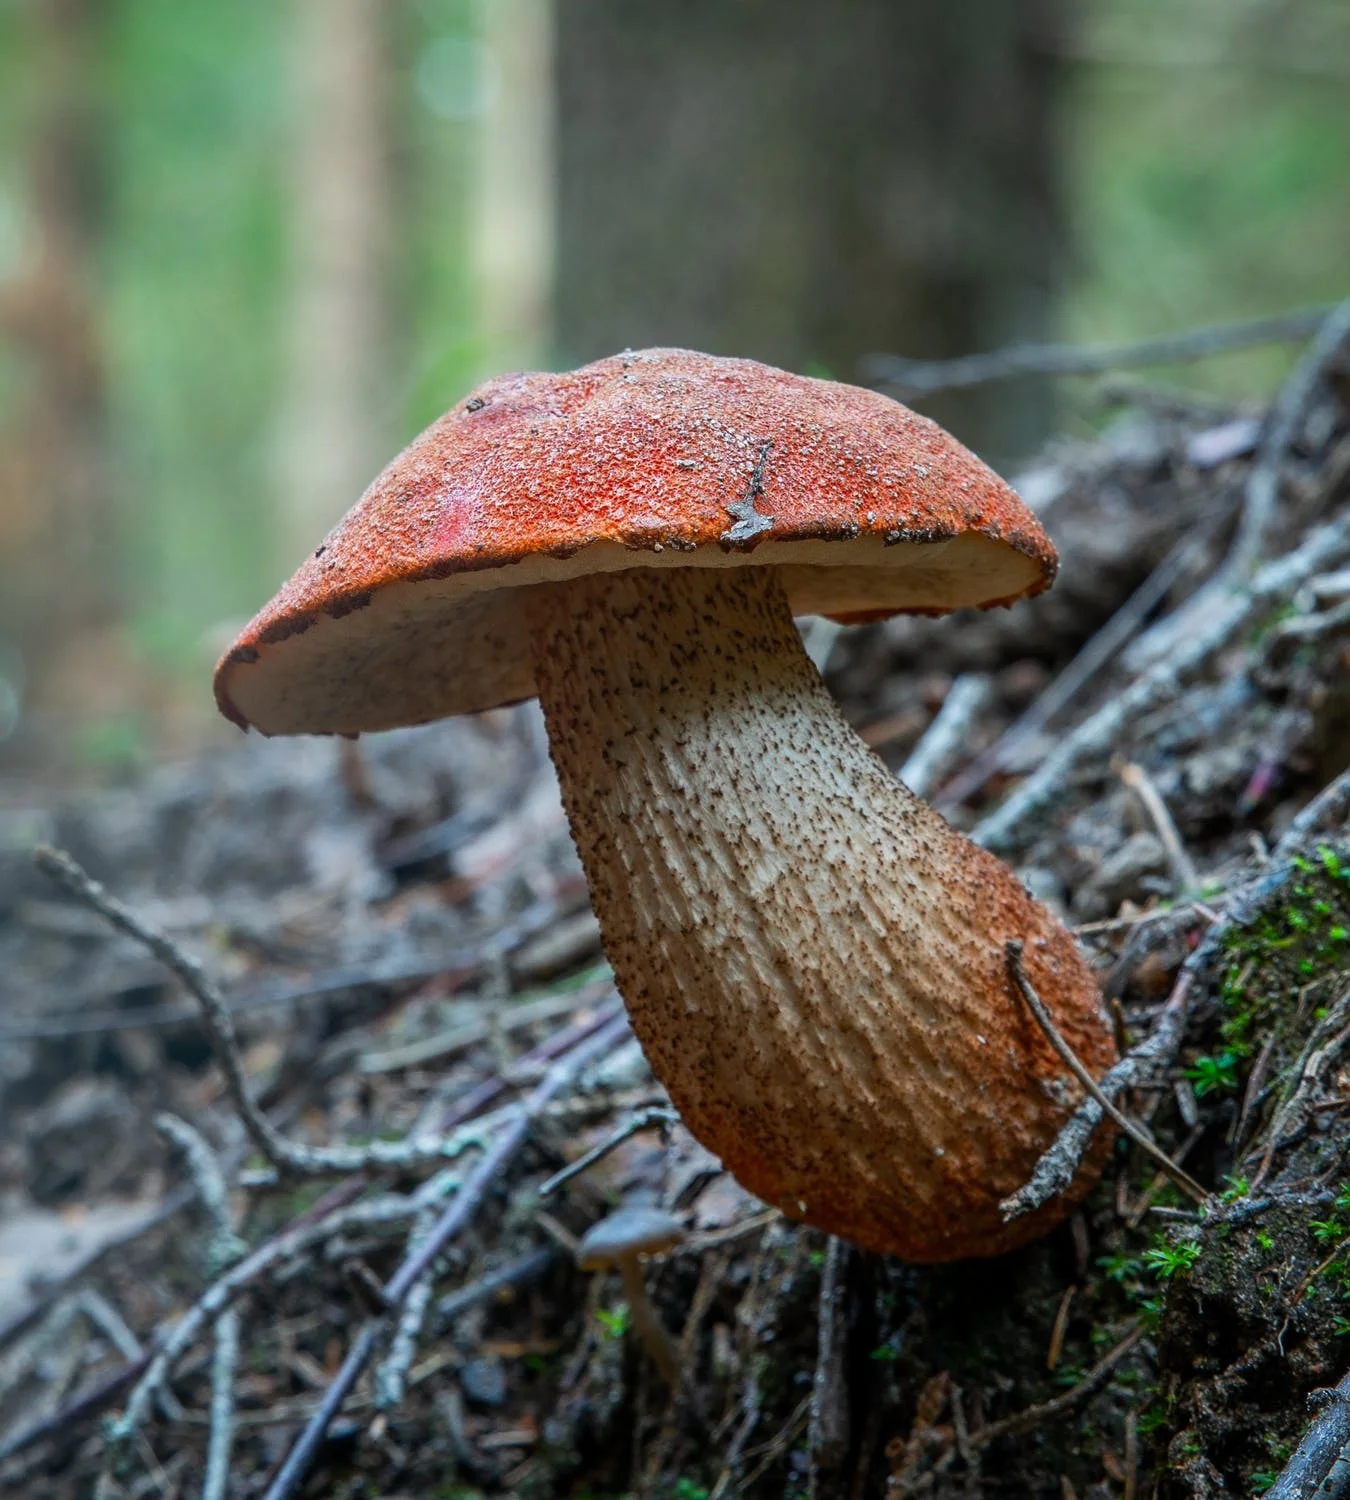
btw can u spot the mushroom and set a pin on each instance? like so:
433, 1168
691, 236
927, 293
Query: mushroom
812, 958
620, 1241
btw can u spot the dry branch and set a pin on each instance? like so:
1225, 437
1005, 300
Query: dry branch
911, 379
1103, 731
1321, 1463
1262, 492
1037, 1416
945, 738
1020, 1200
421, 1257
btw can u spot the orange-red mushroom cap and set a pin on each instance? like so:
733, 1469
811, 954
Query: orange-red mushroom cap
411, 609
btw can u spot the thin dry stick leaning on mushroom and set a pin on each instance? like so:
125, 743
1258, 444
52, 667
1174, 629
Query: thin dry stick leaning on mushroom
812, 958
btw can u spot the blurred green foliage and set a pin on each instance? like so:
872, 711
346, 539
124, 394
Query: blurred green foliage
1209, 170
194, 272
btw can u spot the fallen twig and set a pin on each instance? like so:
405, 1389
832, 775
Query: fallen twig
1321, 1463
421, 1257
505, 1018
461, 964
391, 1377
109, 1322
61, 868
1103, 731
220, 1443
781, 1441
87, 1402
828, 1431
561, 1075
1047, 1411
945, 738
477, 1099
225, 1249
1262, 492
18, 1323
1141, 784
910, 379
1036, 1005
1286, 415
390, 1208
1327, 809
1093, 656
516, 1273
285, 1157
647, 1119
303, 1454
1329, 1039
1058, 1167
208, 1178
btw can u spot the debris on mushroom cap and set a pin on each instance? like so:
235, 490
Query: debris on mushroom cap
640, 1230
412, 608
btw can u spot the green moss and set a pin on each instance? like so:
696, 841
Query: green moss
1297, 943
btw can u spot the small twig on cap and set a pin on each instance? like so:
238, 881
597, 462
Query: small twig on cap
1037, 1416
1141, 784
945, 738
656, 1115
1103, 731
1321, 1463
1036, 1006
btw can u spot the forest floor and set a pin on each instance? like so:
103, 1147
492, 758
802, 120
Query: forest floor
401, 936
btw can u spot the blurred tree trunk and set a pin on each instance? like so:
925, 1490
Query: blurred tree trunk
513, 209
808, 183
58, 532
333, 409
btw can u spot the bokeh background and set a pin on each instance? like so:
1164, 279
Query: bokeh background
249, 247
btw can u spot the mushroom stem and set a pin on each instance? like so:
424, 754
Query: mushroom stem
812, 958
651, 1330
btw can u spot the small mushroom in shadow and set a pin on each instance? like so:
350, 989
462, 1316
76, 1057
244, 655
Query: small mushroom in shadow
619, 1242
